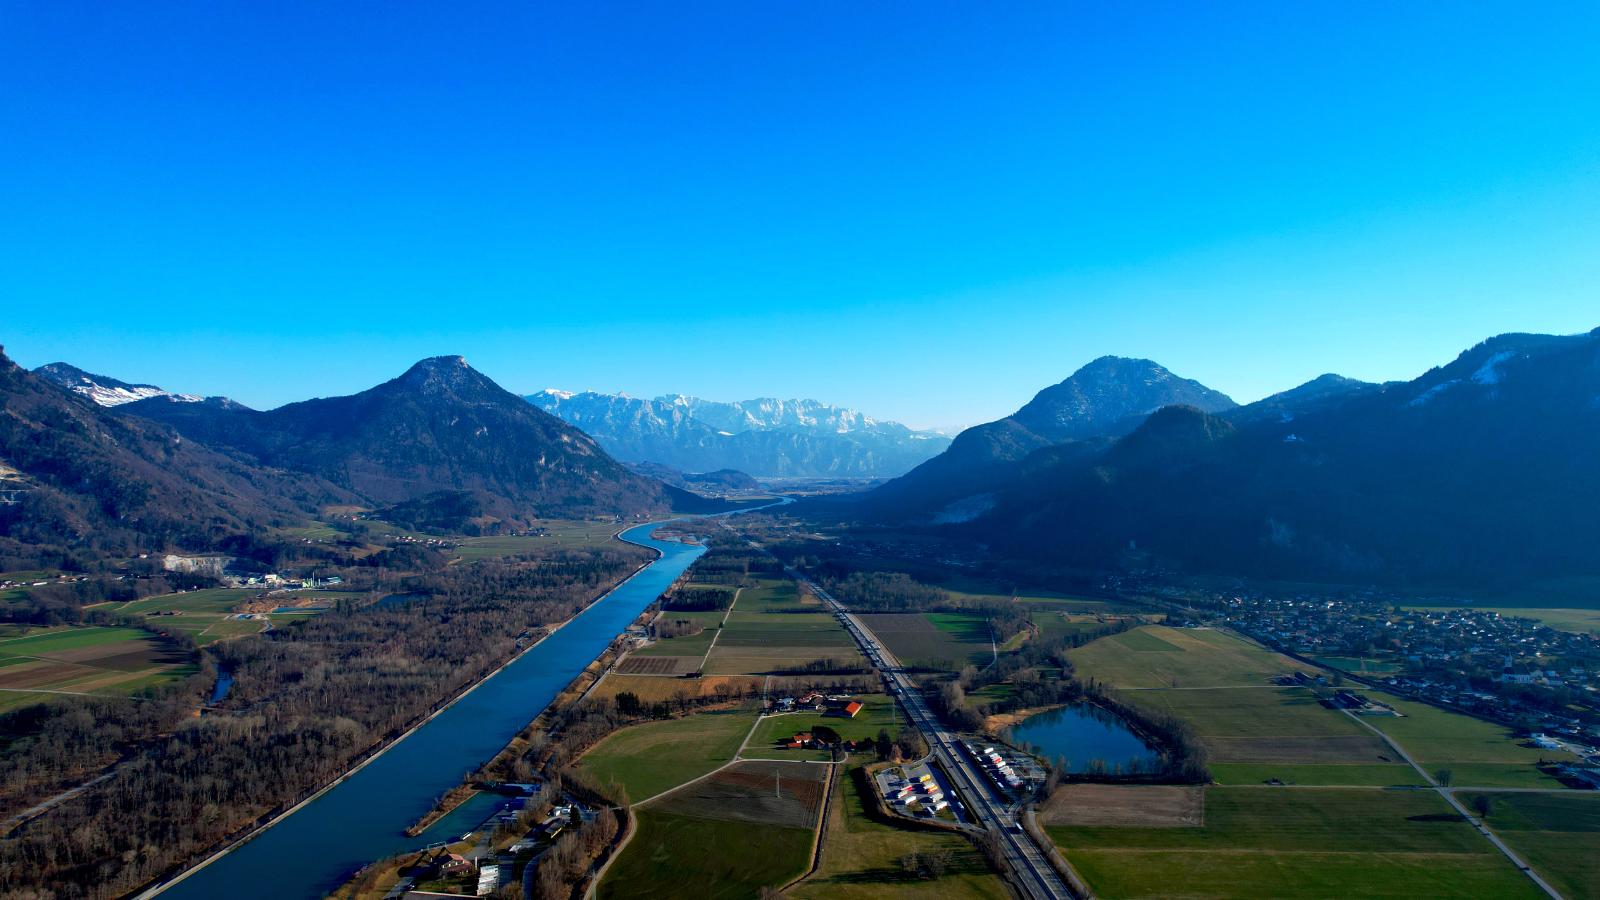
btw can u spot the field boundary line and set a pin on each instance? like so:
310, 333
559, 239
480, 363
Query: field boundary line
721, 627
821, 830
1449, 796
672, 790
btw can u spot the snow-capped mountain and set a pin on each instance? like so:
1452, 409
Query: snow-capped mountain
766, 437
102, 389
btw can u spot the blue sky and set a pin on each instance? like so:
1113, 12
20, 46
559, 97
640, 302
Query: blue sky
925, 211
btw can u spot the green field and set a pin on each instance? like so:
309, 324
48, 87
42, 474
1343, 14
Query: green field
689, 644
748, 826
861, 859
1361, 665
562, 535
1269, 724
1145, 658
207, 615
941, 641
1478, 753
85, 660
656, 756
879, 713
770, 629
1283, 843
675, 856
1556, 833
1334, 775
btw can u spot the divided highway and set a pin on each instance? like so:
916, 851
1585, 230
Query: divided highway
1032, 869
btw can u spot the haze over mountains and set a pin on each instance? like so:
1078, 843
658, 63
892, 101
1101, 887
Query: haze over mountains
763, 437
1480, 470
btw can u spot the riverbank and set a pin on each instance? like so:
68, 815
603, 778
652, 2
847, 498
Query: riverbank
274, 818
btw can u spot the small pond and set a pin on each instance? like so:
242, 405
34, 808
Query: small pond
1087, 737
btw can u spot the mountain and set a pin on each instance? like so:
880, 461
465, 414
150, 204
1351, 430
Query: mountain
1478, 472
722, 480
82, 478
102, 389
441, 426
1318, 393
1108, 397
765, 437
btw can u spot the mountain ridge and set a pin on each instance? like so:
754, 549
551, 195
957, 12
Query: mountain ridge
765, 437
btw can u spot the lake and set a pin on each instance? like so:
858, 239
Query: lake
1082, 734
363, 818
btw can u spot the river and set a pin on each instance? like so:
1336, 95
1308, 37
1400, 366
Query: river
363, 818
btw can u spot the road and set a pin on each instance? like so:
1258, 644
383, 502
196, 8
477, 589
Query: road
1031, 868
1449, 796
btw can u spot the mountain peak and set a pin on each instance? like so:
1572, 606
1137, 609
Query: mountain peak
446, 373
1112, 393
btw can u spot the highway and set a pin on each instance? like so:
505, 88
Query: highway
1033, 872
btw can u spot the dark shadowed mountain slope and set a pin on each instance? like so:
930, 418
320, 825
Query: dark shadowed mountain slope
84, 478
765, 437
441, 426
1481, 471
1322, 392
1108, 397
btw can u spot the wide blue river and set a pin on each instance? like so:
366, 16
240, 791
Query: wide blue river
363, 818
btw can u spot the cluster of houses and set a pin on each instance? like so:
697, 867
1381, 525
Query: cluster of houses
1360, 704
834, 705
1482, 661
822, 739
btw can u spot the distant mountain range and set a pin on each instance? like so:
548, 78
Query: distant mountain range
1478, 472
765, 437
101, 389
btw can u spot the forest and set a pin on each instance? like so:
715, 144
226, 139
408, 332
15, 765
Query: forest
307, 702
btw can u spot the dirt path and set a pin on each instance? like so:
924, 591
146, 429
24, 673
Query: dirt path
721, 626
1449, 795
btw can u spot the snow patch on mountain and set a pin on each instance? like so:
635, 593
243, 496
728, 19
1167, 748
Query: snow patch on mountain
1489, 372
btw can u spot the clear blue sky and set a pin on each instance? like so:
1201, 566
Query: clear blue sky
924, 211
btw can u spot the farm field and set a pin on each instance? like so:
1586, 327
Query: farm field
1360, 665
879, 712
749, 826
562, 534
656, 756
1150, 657
771, 630
861, 859
1258, 842
207, 615
694, 645
1270, 724
652, 689
1477, 753
1556, 833
941, 641
85, 660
